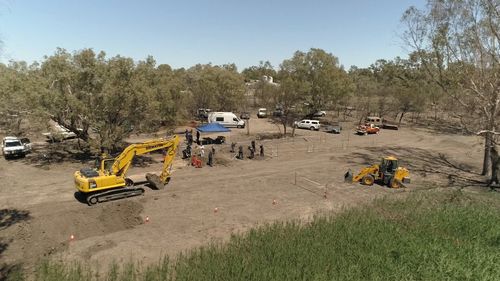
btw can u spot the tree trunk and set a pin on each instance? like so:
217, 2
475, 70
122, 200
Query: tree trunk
401, 118
248, 127
362, 118
495, 166
487, 153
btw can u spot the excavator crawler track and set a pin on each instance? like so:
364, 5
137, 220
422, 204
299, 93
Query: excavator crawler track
100, 197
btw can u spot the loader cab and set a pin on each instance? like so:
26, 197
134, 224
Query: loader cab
388, 165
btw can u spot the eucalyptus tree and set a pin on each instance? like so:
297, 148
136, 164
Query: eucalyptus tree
457, 43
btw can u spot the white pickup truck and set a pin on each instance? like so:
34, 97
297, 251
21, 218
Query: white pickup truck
15, 147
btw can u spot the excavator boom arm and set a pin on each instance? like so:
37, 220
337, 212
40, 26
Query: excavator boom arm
123, 161
167, 163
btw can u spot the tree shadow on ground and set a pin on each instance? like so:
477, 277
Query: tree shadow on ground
8, 218
7, 270
45, 158
441, 126
424, 162
58, 153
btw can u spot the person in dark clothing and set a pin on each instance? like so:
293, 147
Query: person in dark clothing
253, 146
233, 146
190, 138
240, 153
186, 153
252, 152
210, 159
198, 137
261, 150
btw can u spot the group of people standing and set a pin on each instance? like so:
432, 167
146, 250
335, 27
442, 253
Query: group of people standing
189, 137
200, 149
251, 148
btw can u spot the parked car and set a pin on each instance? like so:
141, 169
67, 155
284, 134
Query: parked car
389, 126
262, 113
226, 119
245, 115
13, 146
61, 133
367, 129
334, 128
381, 123
308, 124
278, 112
320, 113
202, 113
377, 121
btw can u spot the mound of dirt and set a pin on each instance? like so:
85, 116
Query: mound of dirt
46, 235
120, 215
222, 160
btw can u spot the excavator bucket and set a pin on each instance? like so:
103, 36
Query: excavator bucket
155, 181
348, 176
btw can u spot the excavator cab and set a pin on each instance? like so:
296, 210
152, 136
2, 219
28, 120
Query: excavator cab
107, 165
104, 164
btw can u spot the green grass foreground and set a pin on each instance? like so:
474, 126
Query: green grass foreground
437, 236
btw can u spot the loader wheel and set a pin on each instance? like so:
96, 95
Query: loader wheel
394, 183
368, 180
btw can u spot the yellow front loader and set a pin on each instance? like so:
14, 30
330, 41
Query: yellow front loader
387, 173
108, 181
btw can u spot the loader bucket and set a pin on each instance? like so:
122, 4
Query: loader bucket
155, 181
348, 176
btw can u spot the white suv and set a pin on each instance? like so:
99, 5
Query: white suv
262, 113
13, 146
308, 124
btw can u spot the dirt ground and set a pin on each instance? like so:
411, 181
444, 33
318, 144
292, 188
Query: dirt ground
39, 211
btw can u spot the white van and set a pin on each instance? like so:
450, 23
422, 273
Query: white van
226, 119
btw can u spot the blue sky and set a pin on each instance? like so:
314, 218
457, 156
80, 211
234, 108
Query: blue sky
184, 33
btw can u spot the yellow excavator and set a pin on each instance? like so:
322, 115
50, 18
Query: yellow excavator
386, 173
108, 181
